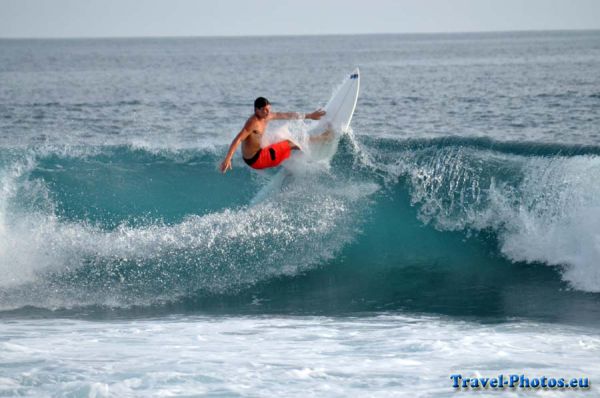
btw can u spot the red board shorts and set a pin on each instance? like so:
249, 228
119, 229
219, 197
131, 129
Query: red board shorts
270, 156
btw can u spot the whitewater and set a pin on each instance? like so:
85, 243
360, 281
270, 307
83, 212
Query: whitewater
456, 224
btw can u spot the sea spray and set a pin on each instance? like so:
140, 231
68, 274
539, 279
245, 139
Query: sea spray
75, 261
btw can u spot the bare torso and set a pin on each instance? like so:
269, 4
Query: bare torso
251, 145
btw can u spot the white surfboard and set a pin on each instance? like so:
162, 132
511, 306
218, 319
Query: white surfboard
339, 111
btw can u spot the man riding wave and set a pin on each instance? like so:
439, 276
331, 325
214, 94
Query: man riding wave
251, 134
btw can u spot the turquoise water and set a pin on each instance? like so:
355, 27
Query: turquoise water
466, 196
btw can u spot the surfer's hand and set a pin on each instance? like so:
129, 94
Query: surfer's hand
226, 165
316, 115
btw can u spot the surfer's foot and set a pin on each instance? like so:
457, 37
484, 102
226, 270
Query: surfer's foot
294, 146
326, 136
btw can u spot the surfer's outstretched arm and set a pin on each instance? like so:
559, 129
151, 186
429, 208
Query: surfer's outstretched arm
242, 135
316, 115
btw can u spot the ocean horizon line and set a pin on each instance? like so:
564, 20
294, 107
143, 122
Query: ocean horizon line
345, 34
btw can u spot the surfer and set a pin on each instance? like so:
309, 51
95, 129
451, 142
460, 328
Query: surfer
252, 132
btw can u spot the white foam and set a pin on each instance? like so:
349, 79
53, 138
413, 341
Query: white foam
379, 356
558, 220
16, 265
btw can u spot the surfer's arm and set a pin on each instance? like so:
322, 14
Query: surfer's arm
242, 135
316, 115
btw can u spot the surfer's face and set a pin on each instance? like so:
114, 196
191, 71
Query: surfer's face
263, 112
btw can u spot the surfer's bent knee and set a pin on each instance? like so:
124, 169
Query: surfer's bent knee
293, 145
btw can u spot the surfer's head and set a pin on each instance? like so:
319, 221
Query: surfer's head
262, 107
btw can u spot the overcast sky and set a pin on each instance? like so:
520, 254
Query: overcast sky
127, 18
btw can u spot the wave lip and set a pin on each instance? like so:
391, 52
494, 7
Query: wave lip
542, 209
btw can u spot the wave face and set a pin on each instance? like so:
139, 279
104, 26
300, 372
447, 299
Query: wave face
447, 226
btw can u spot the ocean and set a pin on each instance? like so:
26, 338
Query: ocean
456, 229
